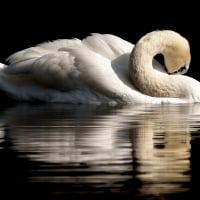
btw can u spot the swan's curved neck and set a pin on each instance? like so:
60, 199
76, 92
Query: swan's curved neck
143, 75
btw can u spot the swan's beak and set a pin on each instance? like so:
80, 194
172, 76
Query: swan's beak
181, 70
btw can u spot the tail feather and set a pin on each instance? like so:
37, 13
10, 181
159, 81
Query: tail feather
2, 65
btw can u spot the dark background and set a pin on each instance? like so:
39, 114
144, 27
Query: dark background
24, 24
28, 23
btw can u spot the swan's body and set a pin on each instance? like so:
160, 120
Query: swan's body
102, 68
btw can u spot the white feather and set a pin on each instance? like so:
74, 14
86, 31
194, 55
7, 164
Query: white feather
93, 70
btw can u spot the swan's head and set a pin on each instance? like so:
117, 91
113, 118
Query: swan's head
177, 54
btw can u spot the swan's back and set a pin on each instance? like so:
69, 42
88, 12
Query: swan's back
106, 45
55, 65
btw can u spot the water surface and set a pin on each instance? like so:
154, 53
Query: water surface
64, 151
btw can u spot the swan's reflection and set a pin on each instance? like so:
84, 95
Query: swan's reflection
105, 147
162, 150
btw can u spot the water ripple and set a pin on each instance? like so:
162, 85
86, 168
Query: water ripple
142, 150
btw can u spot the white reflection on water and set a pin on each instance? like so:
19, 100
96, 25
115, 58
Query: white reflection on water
106, 147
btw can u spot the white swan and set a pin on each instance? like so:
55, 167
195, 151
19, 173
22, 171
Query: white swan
103, 68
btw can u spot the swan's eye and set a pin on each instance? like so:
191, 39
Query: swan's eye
181, 70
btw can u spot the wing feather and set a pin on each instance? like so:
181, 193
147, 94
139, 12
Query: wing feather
47, 64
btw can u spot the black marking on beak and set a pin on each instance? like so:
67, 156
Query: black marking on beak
181, 70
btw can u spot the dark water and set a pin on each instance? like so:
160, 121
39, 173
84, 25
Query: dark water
100, 152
